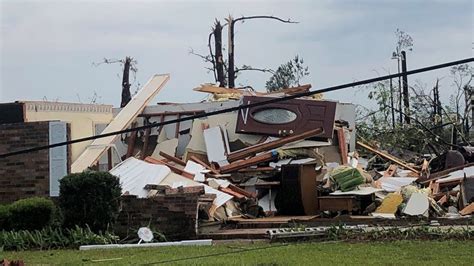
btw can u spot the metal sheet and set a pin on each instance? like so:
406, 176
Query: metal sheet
123, 119
135, 174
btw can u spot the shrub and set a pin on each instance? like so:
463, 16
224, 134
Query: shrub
4, 217
50, 237
90, 198
31, 213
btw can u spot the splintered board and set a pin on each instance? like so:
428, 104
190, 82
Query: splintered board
123, 119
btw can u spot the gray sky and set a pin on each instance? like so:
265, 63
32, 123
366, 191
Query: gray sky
47, 47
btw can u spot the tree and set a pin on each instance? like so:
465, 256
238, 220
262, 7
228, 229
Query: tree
462, 76
128, 64
225, 72
436, 127
287, 75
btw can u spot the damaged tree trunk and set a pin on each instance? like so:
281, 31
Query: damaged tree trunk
218, 56
126, 96
231, 22
231, 70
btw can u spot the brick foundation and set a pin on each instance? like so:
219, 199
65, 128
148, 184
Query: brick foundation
172, 212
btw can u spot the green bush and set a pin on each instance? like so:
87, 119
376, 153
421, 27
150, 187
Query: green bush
4, 217
49, 237
31, 213
90, 198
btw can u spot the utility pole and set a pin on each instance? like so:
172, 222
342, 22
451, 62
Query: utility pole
406, 99
391, 104
437, 105
396, 55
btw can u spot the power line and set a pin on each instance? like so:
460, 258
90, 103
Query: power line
217, 254
244, 106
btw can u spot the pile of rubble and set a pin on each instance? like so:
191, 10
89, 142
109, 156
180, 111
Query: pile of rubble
295, 157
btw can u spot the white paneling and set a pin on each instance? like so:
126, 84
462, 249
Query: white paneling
57, 156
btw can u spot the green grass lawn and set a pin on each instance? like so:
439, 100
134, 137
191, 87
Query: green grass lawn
306, 253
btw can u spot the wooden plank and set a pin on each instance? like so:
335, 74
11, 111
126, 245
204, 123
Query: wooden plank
173, 168
292, 90
388, 157
209, 88
172, 158
123, 119
269, 156
391, 170
444, 173
145, 142
196, 160
249, 151
242, 191
342, 145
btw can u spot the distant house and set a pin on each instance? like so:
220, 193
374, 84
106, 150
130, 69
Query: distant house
85, 119
29, 124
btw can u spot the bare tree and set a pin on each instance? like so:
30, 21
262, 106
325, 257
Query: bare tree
231, 48
226, 69
128, 64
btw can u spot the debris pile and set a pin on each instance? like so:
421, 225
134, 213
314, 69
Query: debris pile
295, 157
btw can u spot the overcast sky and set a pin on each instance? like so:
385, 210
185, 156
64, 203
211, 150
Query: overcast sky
48, 47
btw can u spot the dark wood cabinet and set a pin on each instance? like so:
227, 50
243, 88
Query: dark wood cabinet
297, 194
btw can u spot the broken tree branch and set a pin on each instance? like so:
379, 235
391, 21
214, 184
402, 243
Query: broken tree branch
250, 68
232, 21
267, 17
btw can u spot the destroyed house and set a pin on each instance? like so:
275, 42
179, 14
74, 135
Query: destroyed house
268, 164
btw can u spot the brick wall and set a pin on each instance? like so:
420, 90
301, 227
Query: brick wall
172, 212
25, 175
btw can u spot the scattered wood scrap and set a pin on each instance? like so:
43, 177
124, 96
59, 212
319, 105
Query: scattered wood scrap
389, 157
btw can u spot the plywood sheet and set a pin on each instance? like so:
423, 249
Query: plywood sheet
123, 119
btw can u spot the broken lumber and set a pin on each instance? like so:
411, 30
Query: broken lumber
467, 210
388, 157
249, 151
242, 191
444, 173
173, 168
269, 156
196, 160
292, 90
391, 170
341, 138
209, 88
172, 158
121, 121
